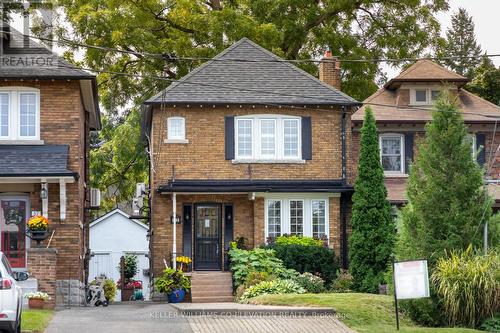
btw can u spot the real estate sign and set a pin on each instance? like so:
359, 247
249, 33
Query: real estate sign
411, 279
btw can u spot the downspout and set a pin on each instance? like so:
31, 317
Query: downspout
343, 196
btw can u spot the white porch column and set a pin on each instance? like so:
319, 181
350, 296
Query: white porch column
45, 200
174, 239
62, 199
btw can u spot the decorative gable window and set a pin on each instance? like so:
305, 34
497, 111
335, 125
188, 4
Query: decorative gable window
19, 113
424, 96
176, 130
268, 138
392, 152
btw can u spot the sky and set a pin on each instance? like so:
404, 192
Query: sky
486, 21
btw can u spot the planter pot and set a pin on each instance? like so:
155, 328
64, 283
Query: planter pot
36, 303
38, 235
127, 294
177, 296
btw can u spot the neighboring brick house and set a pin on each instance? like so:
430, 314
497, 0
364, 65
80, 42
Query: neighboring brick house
47, 109
401, 111
247, 145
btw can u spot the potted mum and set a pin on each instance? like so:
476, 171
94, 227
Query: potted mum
173, 283
38, 228
183, 263
37, 299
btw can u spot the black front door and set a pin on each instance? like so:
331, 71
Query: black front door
207, 237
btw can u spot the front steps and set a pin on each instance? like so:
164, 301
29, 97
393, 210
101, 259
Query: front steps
211, 287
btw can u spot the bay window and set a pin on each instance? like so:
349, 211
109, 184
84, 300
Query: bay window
19, 113
268, 138
291, 215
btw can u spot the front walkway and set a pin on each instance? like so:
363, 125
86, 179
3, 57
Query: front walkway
156, 318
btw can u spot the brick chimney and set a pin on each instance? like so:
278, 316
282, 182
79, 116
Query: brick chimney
329, 70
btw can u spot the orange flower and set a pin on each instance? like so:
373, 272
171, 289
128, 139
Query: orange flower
38, 223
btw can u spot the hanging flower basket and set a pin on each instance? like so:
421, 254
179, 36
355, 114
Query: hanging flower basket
38, 228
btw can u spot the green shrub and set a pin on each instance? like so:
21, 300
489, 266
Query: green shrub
424, 311
343, 282
109, 290
318, 260
277, 286
469, 285
311, 283
298, 240
172, 279
491, 324
130, 267
243, 262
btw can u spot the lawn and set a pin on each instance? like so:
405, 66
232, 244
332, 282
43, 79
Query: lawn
362, 312
36, 320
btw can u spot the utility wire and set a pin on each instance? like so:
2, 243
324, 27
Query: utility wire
165, 56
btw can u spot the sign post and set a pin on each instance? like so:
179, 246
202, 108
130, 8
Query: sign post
411, 280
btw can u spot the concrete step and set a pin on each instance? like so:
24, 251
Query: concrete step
210, 287
211, 293
212, 299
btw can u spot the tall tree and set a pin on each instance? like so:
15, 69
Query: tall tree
447, 201
486, 82
461, 42
373, 229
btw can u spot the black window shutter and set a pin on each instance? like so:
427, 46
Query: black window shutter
186, 230
229, 137
306, 138
480, 144
408, 151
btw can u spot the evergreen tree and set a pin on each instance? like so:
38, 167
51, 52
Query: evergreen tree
461, 42
373, 230
486, 82
447, 202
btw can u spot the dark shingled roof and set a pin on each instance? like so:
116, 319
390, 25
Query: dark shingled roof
43, 160
269, 81
13, 43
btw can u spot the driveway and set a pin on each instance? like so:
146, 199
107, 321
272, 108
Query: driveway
153, 318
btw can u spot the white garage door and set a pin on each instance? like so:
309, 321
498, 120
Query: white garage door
100, 264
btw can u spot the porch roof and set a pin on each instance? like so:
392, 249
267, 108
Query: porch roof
34, 161
257, 185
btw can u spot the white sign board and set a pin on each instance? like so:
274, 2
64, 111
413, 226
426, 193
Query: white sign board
411, 279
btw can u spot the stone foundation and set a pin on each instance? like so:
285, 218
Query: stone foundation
70, 293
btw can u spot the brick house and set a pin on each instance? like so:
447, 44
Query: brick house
47, 109
247, 145
401, 111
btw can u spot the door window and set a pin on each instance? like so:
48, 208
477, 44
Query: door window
12, 230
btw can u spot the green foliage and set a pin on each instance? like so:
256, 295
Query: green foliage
252, 279
276, 286
424, 311
311, 283
491, 324
118, 160
494, 232
461, 42
486, 81
373, 230
244, 262
318, 260
298, 240
447, 202
171, 280
469, 285
343, 282
130, 266
109, 289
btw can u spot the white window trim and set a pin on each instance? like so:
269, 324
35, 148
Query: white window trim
307, 212
403, 153
257, 157
428, 95
303, 216
259, 138
9, 116
179, 139
15, 115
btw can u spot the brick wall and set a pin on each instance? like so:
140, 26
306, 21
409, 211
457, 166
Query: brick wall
62, 121
42, 265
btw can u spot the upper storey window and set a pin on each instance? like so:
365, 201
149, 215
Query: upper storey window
19, 114
176, 130
424, 96
392, 152
268, 137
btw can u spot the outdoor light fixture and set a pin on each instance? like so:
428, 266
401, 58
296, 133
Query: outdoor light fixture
175, 218
44, 192
186, 218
